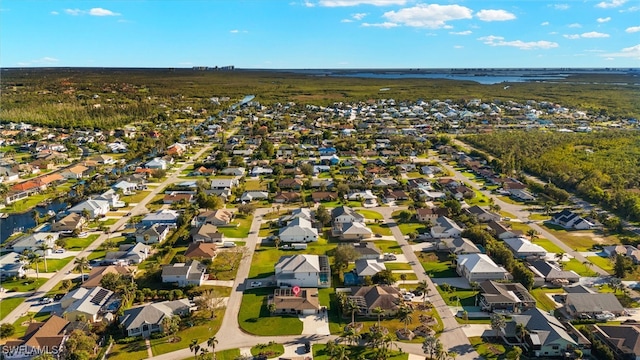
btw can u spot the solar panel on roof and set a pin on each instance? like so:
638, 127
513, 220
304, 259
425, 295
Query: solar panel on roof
97, 299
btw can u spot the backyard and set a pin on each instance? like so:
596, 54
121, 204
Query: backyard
436, 265
254, 317
198, 326
7, 305
240, 227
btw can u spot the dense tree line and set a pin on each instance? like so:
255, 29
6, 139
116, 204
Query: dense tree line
603, 167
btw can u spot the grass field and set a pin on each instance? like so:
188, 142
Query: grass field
77, 244
543, 301
580, 240
272, 350
388, 246
381, 229
548, 245
265, 257
231, 354
436, 265
22, 323
9, 304
602, 262
397, 266
254, 317
407, 228
578, 267
135, 198
133, 351
355, 352
198, 326
54, 265
23, 285
370, 214
242, 230
488, 350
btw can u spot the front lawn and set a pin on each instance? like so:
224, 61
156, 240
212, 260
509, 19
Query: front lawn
370, 214
412, 227
225, 265
486, 349
231, 354
542, 300
23, 322
135, 198
198, 326
240, 231
271, 350
23, 285
397, 266
266, 256
388, 246
548, 245
602, 262
382, 229
255, 319
356, 352
54, 265
580, 240
78, 244
136, 350
436, 265
9, 304
577, 267
459, 297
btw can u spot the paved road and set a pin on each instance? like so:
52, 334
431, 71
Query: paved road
453, 337
140, 208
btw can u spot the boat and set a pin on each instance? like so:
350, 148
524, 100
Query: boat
3, 215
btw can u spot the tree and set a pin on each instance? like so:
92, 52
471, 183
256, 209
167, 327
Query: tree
405, 315
111, 281
385, 277
246, 209
379, 312
403, 277
498, 323
44, 356
6, 330
621, 266
405, 216
521, 332
341, 353
81, 264
323, 215
194, 347
514, 353
452, 355
532, 234
343, 255
80, 345
306, 169
45, 247
210, 301
36, 216
429, 345
272, 308
352, 307
212, 342
277, 242
615, 284
423, 287
171, 325
351, 335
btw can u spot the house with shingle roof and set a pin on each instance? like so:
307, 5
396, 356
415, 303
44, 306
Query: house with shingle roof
303, 270
510, 297
184, 274
146, 319
479, 267
84, 303
47, 336
369, 298
287, 302
623, 340
523, 248
445, 228
201, 250
298, 230
96, 274
593, 304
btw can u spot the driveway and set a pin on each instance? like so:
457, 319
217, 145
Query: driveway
458, 282
315, 324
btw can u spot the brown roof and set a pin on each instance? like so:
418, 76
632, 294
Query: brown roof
323, 195
306, 299
200, 250
385, 297
287, 196
432, 211
178, 197
45, 334
96, 274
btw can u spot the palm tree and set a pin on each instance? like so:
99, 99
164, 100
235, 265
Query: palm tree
341, 353
45, 247
352, 307
379, 312
521, 332
194, 347
81, 264
532, 234
34, 258
351, 335
424, 288
211, 342
560, 257
429, 345
453, 355
587, 264
498, 323
404, 314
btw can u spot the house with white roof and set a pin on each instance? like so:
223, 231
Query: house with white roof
368, 267
163, 216
33, 241
220, 184
95, 207
157, 164
127, 188
10, 265
479, 267
299, 230
83, 302
184, 274
445, 228
523, 248
249, 196
303, 270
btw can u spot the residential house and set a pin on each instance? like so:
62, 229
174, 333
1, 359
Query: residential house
48, 336
234, 171
577, 304
153, 234
479, 267
184, 274
203, 171
157, 164
112, 197
629, 251
259, 170
69, 223
201, 251
75, 172
509, 297
502, 232
482, 214
176, 149
546, 336
368, 298
321, 196
430, 215
292, 184
176, 197
96, 274
84, 303
523, 248
163, 216
457, 246
221, 184
33, 241
384, 182
10, 266
552, 273
147, 319
344, 214
366, 249
249, 196
220, 217
95, 208
128, 254
303, 302
394, 195
304, 213
623, 340
445, 228
354, 231
303, 270
103, 159
571, 220
521, 194
207, 233
299, 230
368, 267
286, 197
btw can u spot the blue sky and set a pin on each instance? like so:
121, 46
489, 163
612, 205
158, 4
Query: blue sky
320, 33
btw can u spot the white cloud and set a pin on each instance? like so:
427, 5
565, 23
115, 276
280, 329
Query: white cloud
594, 35
466, 32
342, 3
92, 12
630, 52
458, 46
386, 25
603, 20
432, 16
102, 12
359, 16
609, 58
544, 23
560, 6
308, 3
587, 35
346, 21
54, 13
236, 31
46, 59
492, 40
633, 29
610, 4
631, 9
495, 15
575, 25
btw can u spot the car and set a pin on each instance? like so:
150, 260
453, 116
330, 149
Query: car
128, 214
59, 251
58, 297
256, 283
407, 297
585, 316
377, 235
307, 347
45, 300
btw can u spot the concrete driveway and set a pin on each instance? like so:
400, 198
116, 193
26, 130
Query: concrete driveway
315, 324
458, 282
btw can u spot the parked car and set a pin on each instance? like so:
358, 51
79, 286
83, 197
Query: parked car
45, 300
59, 251
605, 316
256, 283
307, 347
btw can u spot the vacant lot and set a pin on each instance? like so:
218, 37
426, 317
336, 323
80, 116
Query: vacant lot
254, 317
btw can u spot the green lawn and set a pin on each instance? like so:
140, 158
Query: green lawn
255, 319
266, 256
23, 285
230, 354
464, 296
388, 246
198, 326
397, 266
133, 351
486, 349
242, 230
355, 352
256, 185
54, 265
9, 304
436, 265
579, 240
109, 222
135, 198
602, 262
272, 350
578, 267
480, 199
542, 300
370, 214
26, 204
539, 217
381, 229
407, 228
22, 323
77, 244
548, 245
408, 276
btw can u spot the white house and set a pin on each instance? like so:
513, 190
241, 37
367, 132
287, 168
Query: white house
33, 241
523, 248
479, 267
249, 196
10, 265
445, 228
127, 188
344, 214
112, 197
368, 267
570, 220
163, 216
184, 274
96, 208
157, 164
153, 234
304, 271
299, 230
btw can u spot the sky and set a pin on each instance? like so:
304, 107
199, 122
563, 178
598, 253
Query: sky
307, 34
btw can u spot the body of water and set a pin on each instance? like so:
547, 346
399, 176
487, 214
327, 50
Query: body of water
24, 221
482, 79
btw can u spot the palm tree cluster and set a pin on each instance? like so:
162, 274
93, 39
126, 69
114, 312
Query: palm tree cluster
202, 353
434, 349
